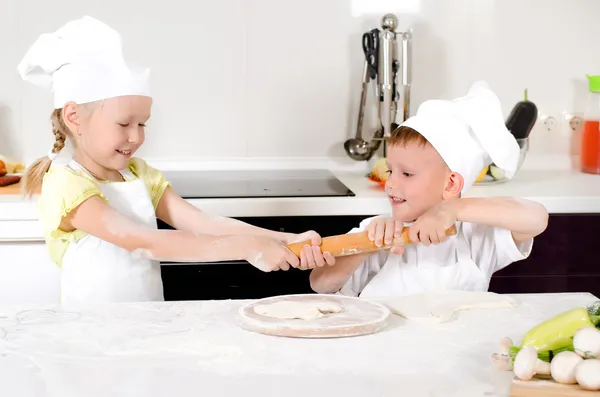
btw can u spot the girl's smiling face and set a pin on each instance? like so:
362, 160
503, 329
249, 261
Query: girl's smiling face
108, 133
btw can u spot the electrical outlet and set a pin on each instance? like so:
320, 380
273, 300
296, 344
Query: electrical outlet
573, 122
548, 123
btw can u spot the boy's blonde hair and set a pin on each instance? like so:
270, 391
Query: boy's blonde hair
404, 135
34, 175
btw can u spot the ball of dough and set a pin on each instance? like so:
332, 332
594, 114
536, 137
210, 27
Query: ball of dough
562, 367
587, 374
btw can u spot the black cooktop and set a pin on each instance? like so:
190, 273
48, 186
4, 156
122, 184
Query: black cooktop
257, 183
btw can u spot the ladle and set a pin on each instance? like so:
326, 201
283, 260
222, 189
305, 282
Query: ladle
357, 148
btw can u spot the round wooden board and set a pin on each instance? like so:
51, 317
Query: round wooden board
358, 317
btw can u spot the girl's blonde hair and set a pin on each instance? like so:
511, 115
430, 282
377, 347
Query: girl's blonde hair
34, 175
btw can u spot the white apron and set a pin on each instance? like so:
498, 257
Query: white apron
400, 278
95, 271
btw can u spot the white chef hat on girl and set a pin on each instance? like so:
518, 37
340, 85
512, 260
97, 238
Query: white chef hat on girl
82, 62
469, 133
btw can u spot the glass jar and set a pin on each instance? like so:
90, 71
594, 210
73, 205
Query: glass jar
590, 135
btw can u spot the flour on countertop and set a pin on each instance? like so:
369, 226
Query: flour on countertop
442, 306
197, 348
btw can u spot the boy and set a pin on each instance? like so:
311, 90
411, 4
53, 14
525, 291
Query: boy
432, 158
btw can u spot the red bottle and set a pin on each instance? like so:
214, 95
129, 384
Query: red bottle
590, 136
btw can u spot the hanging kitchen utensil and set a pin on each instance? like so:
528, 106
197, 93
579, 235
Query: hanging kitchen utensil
357, 148
384, 67
370, 45
406, 72
386, 76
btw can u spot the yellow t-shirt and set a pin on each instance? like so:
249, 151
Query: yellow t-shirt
64, 189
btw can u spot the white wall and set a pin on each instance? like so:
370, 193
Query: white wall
281, 78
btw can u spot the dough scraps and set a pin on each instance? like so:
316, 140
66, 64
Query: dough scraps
297, 310
441, 306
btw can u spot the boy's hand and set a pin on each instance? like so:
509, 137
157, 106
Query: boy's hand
431, 227
383, 230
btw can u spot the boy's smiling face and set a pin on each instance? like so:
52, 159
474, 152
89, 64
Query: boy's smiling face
418, 180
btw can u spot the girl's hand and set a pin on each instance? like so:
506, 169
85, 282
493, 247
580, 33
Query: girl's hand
314, 237
383, 231
268, 254
311, 255
431, 227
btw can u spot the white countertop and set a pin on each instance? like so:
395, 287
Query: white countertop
196, 349
560, 191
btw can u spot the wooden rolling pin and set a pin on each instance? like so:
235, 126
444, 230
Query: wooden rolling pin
356, 243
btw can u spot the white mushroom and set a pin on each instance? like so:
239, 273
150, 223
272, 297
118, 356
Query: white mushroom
501, 358
562, 367
527, 364
587, 374
586, 342
504, 345
502, 362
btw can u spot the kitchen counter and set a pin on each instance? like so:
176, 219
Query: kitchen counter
560, 191
196, 349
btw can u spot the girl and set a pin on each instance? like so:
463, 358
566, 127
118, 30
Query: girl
99, 212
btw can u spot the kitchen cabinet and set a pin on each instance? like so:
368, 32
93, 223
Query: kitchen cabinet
564, 259
27, 275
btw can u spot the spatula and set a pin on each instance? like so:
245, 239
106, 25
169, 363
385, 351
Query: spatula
356, 243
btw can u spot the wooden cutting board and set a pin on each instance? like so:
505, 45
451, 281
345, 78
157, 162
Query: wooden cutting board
357, 317
15, 189
547, 388
11, 189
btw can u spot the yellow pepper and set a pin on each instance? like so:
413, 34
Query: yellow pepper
558, 331
482, 174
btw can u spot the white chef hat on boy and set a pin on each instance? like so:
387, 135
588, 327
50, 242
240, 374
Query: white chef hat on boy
469, 133
82, 62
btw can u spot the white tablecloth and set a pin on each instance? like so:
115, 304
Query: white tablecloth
195, 349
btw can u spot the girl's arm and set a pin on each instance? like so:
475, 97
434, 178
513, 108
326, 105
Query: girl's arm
181, 215
97, 218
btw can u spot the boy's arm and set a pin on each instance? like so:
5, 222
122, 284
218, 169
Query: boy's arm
524, 218
182, 215
329, 279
